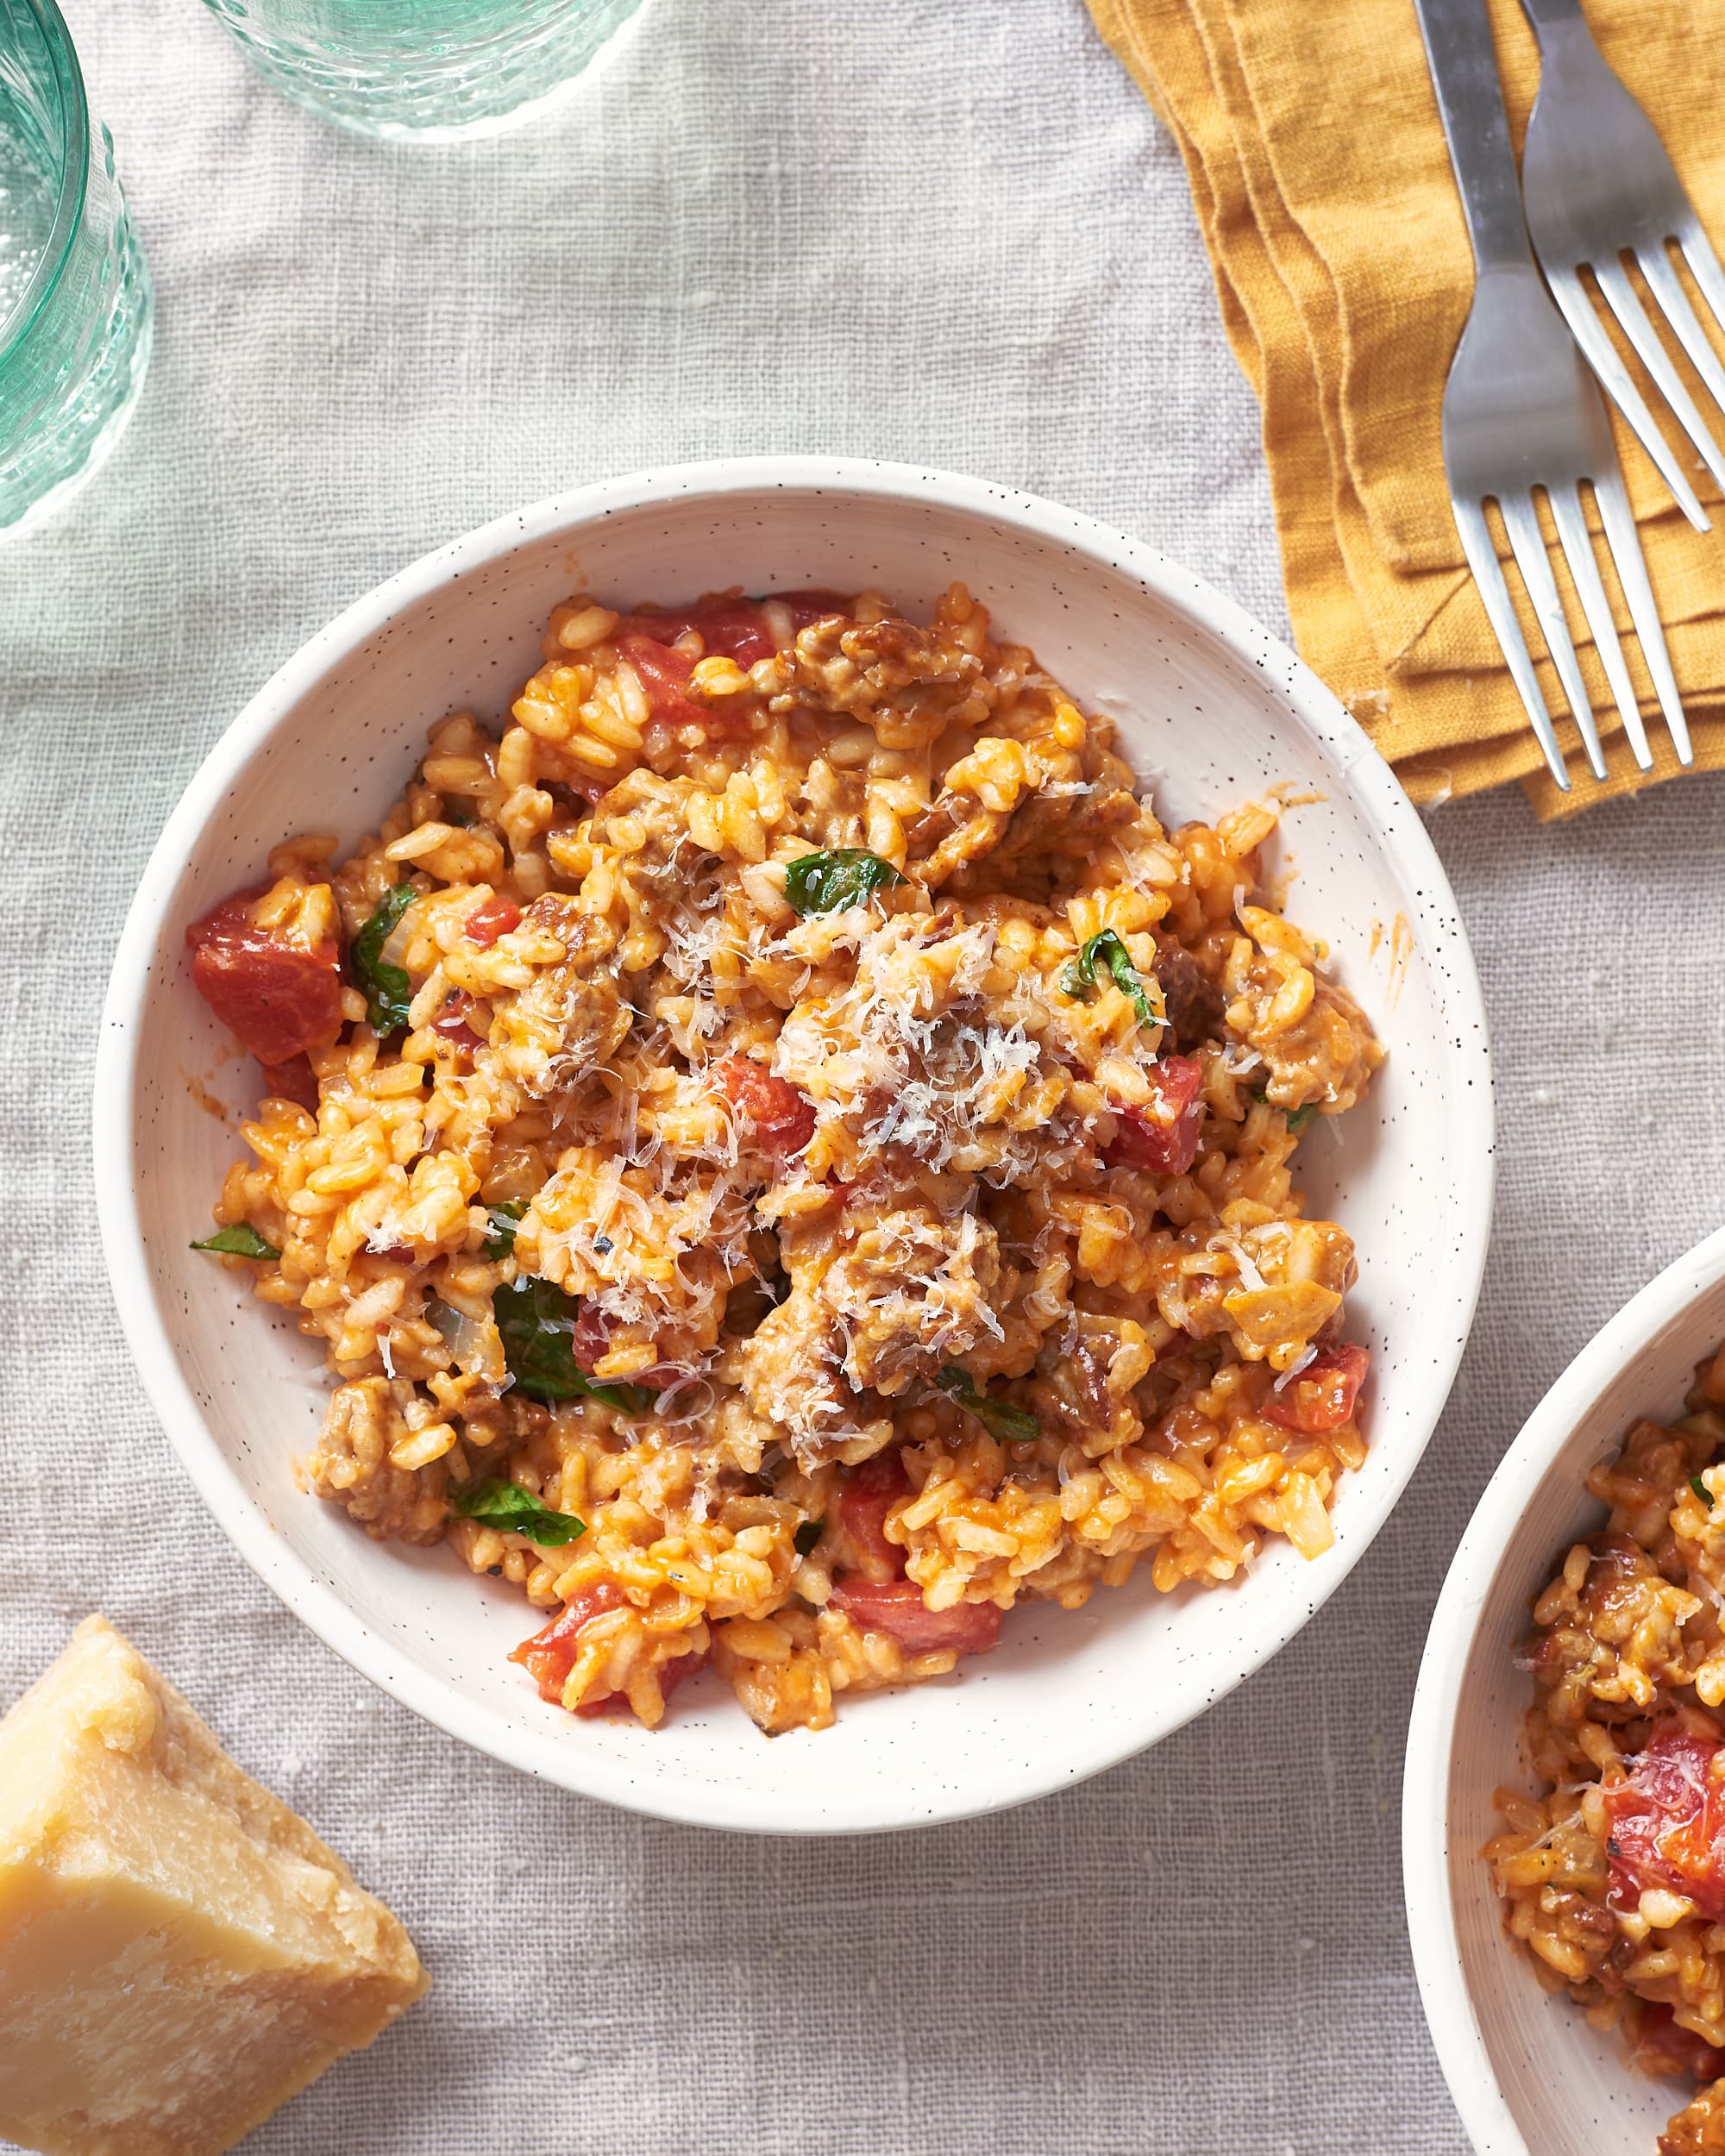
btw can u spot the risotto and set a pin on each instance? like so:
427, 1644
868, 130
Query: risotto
785, 1156
1615, 1879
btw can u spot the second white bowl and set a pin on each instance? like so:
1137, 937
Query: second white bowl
1209, 705
1528, 2076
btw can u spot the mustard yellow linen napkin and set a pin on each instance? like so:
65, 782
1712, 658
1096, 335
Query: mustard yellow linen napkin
1317, 164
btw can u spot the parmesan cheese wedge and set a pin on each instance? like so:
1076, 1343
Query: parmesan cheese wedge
178, 1953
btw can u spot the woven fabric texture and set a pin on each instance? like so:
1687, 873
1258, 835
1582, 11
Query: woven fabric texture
946, 234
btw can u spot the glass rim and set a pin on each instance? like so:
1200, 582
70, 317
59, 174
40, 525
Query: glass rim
74, 178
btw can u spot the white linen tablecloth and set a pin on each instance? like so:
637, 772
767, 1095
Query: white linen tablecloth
944, 233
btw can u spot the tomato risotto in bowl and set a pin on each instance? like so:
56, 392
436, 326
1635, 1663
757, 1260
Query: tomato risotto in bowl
1564, 1815
812, 1154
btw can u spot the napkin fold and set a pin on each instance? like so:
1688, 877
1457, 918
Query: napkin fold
1317, 163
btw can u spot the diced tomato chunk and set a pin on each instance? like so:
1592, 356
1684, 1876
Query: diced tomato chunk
1322, 1396
1163, 1135
277, 999
776, 1115
451, 1022
496, 918
811, 605
1668, 1823
295, 1080
590, 1340
731, 627
549, 1655
671, 1675
870, 1492
1664, 2047
664, 675
896, 1607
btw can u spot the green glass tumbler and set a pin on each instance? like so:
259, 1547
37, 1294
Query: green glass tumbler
425, 71
75, 311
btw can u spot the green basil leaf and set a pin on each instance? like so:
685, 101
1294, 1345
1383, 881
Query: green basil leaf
503, 1504
1002, 1421
535, 1320
807, 1535
1702, 1491
242, 1240
387, 989
824, 883
501, 1240
1079, 980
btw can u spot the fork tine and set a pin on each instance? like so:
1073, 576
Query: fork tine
1632, 574
1527, 543
1589, 332
1703, 266
1621, 298
1667, 288
1482, 558
1578, 545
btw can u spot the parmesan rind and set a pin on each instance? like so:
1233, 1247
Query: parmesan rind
179, 1953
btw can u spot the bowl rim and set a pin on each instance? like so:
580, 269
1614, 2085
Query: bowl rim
1490, 1534
1311, 708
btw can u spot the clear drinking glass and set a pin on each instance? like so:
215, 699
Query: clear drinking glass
75, 313
425, 71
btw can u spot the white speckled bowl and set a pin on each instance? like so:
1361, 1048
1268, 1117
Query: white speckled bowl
1528, 2076
1203, 695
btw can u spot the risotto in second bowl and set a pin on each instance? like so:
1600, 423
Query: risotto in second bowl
786, 1154
1614, 1878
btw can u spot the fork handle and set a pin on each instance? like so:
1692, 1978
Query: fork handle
1464, 65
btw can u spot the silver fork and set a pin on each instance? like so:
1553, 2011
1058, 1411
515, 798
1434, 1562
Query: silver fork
1522, 413
1597, 186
